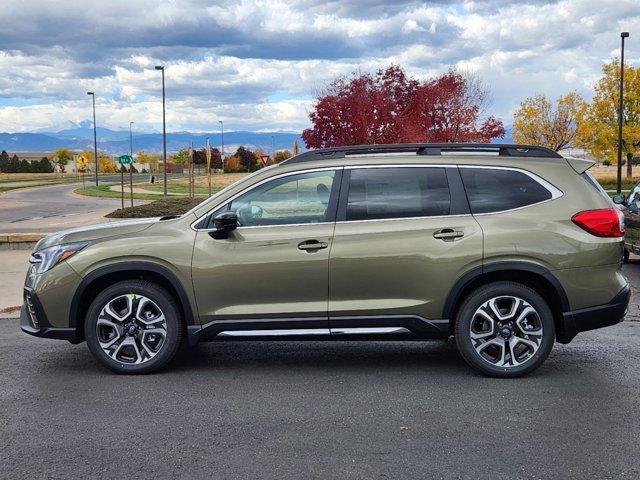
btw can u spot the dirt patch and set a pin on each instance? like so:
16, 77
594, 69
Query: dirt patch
159, 208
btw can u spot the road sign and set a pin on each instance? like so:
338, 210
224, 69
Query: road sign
125, 160
265, 159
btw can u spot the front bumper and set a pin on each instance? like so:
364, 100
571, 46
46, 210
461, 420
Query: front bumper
34, 321
577, 321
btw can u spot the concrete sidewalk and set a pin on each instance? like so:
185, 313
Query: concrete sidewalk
13, 269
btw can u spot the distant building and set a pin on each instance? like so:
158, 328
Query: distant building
31, 156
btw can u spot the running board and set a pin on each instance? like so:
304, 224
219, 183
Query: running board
381, 327
314, 331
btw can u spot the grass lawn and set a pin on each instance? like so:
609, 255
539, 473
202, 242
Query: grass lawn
13, 181
105, 191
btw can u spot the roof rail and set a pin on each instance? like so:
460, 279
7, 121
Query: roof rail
505, 150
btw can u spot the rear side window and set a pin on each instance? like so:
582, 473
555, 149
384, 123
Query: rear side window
496, 190
378, 193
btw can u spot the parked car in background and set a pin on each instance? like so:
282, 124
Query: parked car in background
507, 248
630, 207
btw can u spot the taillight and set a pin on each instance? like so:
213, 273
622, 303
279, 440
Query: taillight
601, 223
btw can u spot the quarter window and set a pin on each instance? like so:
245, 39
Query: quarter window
378, 193
301, 198
495, 190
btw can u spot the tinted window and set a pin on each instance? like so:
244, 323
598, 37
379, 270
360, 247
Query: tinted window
301, 198
494, 190
376, 193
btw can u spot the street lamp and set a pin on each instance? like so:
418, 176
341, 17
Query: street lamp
95, 135
623, 35
131, 164
222, 142
164, 132
131, 138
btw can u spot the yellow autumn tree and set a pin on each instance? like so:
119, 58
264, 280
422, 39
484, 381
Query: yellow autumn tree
539, 122
149, 160
598, 132
107, 164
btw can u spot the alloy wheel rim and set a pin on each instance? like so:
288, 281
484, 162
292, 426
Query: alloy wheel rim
131, 329
506, 331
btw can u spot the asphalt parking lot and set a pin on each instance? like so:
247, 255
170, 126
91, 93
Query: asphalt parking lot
322, 410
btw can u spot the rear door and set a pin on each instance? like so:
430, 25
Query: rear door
404, 235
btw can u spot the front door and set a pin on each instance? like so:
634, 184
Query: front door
401, 241
272, 270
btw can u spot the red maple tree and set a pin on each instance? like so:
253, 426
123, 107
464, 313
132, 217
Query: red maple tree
390, 107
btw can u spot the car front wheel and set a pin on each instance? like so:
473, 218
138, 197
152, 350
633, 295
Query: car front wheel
504, 329
133, 327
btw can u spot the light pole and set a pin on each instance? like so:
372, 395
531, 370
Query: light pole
164, 132
131, 164
623, 35
222, 143
95, 135
273, 145
131, 139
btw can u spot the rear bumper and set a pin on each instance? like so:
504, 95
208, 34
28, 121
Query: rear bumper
577, 321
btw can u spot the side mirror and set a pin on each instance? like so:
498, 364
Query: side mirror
224, 224
618, 199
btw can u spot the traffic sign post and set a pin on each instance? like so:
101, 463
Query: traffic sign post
126, 160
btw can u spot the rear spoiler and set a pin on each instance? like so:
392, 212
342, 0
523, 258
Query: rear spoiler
580, 165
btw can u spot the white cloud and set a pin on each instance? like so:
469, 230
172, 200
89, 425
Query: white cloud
257, 63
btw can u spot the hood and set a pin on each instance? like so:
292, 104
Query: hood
94, 232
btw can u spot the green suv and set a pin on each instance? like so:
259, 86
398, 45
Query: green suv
507, 248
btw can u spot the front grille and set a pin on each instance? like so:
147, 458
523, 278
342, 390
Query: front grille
31, 311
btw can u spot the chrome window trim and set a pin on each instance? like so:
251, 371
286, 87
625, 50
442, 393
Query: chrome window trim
552, 189
255, 185
555, 192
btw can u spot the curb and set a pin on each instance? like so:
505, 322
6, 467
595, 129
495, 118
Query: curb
19, 241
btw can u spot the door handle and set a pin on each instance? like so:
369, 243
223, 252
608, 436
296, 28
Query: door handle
312, 245
447, 234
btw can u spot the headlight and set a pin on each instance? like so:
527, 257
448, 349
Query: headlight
48, 258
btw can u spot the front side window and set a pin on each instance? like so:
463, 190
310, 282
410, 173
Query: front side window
496, 190
301, 198
378, 193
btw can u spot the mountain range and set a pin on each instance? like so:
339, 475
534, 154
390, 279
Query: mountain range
116, 142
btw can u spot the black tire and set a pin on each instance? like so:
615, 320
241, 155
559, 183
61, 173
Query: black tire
465, 316
173, 325
625, 256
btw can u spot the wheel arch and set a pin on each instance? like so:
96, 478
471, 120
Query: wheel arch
532, 275
93, 283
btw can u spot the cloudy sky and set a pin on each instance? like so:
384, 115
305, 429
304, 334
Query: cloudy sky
257, 64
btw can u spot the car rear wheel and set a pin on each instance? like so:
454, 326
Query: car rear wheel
133, 327
504, 329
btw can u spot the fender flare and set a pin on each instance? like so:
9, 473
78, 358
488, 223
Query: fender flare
471, 275
131, 266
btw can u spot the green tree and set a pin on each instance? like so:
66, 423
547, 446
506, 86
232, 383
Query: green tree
4, 161
281, 156
24, 167
180, 158
62, 157
43, 166
247, 158
13, 165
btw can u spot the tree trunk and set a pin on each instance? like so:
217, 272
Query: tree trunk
629, 157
